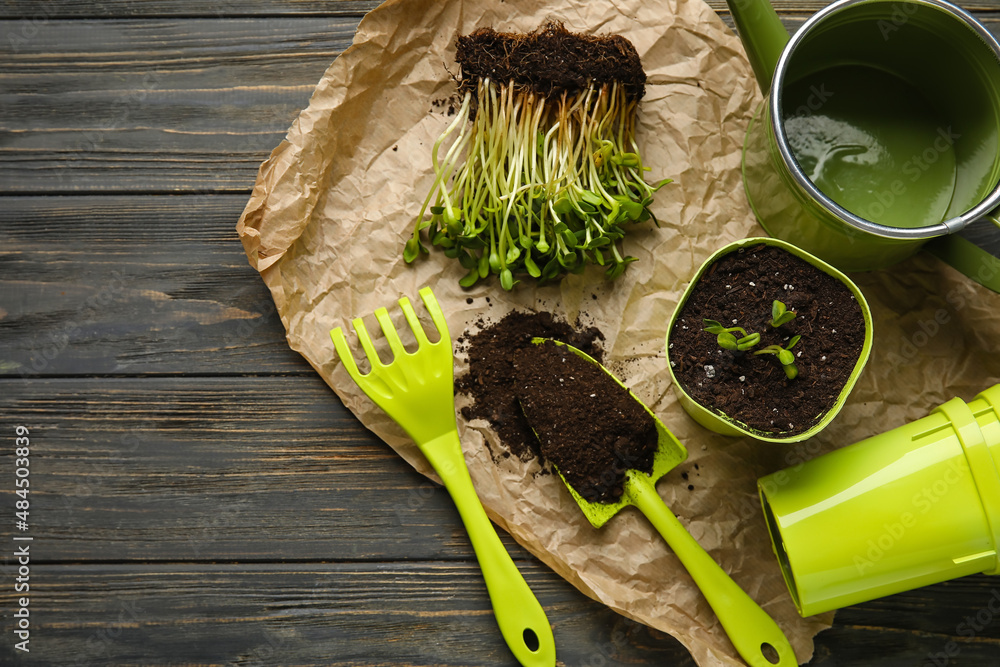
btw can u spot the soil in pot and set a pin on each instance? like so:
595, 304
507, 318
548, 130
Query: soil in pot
738, 290
490, 378
587, 425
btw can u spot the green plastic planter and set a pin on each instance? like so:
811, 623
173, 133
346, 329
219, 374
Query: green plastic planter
914, 506
730, 424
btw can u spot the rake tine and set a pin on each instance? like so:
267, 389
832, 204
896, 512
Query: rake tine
344, 352
366, 343
430, 302
411, 319
391, 336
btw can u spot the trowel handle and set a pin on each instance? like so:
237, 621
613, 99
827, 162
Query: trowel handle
749, 627
522, 620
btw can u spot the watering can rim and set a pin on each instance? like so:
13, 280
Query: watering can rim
950, 226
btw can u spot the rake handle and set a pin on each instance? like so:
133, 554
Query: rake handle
522, 620
748, 626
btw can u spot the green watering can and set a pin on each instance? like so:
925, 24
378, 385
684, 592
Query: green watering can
879, 133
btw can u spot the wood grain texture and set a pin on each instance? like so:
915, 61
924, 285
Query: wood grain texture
196, 469
420, 613
165, 105
133, 284
133, 471
199, 496
80, 9
956, 623
344, 614
159, 106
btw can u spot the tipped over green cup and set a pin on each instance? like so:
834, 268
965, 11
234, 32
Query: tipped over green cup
913, 506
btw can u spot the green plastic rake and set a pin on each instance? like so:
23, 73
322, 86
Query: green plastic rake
416, 389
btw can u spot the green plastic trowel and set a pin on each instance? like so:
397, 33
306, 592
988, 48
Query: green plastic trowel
756, 636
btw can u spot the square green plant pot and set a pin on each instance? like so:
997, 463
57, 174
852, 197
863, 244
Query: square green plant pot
730, 424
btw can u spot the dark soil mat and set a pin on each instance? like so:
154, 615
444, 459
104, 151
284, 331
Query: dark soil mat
549, 61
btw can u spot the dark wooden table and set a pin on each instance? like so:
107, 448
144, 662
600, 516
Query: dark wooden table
197, 494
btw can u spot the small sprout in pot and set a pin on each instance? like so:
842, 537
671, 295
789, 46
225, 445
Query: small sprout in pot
780, 314
727, 340
785, 356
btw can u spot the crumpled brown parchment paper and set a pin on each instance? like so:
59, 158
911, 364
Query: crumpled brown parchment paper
334, 203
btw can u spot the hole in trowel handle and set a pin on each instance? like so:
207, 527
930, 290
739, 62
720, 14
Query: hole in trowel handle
530, 639
770, 653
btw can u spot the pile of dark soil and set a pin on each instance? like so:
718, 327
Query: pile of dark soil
588, 425
490, 378
549, 61
739, 290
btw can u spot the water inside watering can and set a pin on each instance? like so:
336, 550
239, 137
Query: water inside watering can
873, 144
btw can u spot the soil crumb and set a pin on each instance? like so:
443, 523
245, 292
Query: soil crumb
588, 425
490, 378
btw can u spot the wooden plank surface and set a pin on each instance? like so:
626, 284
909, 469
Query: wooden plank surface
171, 105
200, 497
79, 9
421, 613
175, 469
320, 614
133, 284
133, 471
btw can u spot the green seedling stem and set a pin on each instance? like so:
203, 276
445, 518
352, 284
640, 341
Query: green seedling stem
727, 340
785, 356
532, 187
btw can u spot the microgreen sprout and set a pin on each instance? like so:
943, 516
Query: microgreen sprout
784, 355
727, 340
525, 185
780, 314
